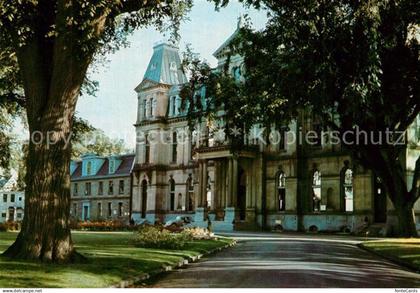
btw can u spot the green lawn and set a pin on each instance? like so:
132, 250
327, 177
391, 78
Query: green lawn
403, 251
111, 259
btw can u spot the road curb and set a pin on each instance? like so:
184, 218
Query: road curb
393, 260
164, 269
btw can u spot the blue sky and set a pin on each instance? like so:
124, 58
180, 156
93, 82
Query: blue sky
114, 108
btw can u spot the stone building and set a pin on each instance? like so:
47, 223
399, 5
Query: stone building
12, 201
101, 187
179, 173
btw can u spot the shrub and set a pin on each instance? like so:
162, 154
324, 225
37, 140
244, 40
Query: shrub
157, 237
114, 225
198, 233
10, 226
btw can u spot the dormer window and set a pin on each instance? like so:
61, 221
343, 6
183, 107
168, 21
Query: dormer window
89, 168
153, 66
173, 66
111, 166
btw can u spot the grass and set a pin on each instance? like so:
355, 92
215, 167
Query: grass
405, 251
111, 259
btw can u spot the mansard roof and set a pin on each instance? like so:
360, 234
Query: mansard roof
124, 169
165, 66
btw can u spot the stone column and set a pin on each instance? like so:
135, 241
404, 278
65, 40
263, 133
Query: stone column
205, 183
234, 182
199, 196
229, 183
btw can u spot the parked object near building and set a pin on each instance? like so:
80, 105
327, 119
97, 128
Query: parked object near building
100, 187
12, 201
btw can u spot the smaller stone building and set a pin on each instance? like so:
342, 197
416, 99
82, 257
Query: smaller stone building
12, 201
101, 187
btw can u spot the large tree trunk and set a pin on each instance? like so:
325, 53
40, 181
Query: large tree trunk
52, 80
45, 233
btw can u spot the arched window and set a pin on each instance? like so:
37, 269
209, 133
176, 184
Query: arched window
316, 190
281, 191
190, 194
171, 194
148, 108
174, 147
348, 190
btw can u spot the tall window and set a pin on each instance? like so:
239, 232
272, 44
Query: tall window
121, 187
5, 197
12, 198
171, 194
151, 107
143, 198
316, 190
109, 209
281, 191
348, 190
120, 209
111, 187
190, 194
89, 168
146, 149
144, 109
99, 209
75, 189
174, 147
173, 105
88, 188
100, 188
75, 209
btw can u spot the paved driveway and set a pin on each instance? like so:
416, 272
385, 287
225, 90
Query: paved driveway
270, 260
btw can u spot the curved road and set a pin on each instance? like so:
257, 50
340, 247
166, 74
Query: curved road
275, 261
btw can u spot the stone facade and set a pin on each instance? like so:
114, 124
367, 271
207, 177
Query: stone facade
282, 185
101, 188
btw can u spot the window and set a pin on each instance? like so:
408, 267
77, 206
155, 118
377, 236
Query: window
316, 190
111, 187
88, 188
190, 194
171, 194
111, 166
75, 209
120, 209
348, 190
143, 198
173, 66
146, 150
20, 198
121, 187
174, 147
5, 197
144, 109
281, 191
173, 105
110, 209
19, 215
100, 188
75, 189
12, 198
3, 215
99, 213
151, 107
89, 168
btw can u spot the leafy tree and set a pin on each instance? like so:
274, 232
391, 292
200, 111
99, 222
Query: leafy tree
47, 46
354, 64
